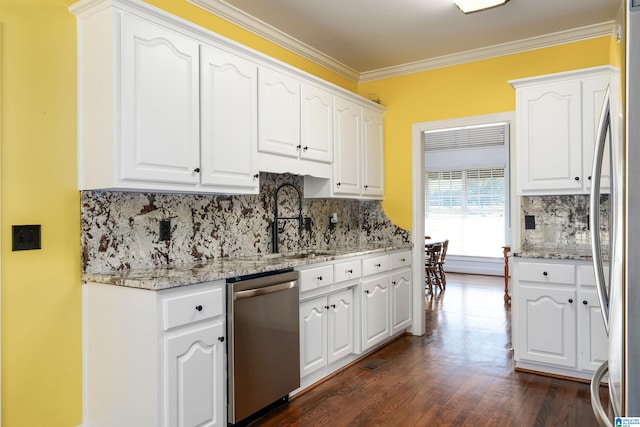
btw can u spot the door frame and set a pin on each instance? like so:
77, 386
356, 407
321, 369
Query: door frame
417, 193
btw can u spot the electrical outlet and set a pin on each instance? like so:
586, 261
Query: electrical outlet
529, 222
25, 237
307, 224
165, 230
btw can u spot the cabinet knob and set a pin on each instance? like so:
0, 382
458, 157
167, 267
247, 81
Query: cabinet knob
544, 273
305, 148
585, 302
570, 300
367, 292
333, 306
319, 277
327, 307
199, 307
377, 265
394, 283
577, 178
403, 259
256, 176
298, 146
221, 339
350, 271
338, 184
197, 170
589, 178
366, 186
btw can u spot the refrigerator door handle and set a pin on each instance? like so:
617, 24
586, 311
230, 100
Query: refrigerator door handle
594, 209
596, 403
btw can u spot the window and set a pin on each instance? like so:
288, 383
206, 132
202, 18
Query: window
468, 207
465, 188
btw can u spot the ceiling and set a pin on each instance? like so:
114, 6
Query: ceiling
368, 35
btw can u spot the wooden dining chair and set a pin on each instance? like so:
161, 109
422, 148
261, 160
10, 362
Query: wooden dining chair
441, 274
431, 258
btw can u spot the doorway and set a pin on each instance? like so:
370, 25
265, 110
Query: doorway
418, 202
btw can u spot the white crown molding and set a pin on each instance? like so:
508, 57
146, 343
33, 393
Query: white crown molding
548, 40
254, 25
250, 23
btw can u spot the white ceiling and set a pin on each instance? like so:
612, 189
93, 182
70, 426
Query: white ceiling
369, 35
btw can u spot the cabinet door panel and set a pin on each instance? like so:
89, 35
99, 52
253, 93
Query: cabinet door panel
346, 162
160, 138
547, 325
340, 325
373, 154
375, 311
316, 124
594, 341
594, 90
550, 131
229, 120
313, 335
401, 301
279, 118
194, 377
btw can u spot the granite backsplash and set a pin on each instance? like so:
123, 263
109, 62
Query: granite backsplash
120, 230
561, 223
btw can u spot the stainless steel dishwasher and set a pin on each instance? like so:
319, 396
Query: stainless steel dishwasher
263, 342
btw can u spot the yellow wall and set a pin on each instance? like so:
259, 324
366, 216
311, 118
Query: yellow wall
463, 90
41, 325
41, 301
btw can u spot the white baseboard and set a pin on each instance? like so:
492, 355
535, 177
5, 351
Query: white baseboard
475, 265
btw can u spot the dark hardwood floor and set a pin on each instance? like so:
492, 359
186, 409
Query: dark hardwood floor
460, 373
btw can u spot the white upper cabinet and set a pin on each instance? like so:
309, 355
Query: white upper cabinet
167, 106
372, 153
358, 154
295, 125
160, 96
557, 119
347, 163
279, 104
229, 120
316, 125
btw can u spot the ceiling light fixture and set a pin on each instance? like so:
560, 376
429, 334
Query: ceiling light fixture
470, 6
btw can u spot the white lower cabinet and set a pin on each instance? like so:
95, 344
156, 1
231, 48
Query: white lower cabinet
401, 300
557, 322
376, 298
547, 328
326, 330
354, 308
154, 358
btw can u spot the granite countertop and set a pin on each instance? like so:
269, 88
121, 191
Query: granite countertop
166, 277
575, 254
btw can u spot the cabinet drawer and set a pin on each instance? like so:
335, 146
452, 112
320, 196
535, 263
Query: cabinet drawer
347, 271
316, 277
547, 273
184, 309
401, 259
375, 265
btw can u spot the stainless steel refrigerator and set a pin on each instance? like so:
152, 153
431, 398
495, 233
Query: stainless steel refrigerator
619, 290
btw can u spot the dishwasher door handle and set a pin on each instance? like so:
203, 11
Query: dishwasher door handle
249, 293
